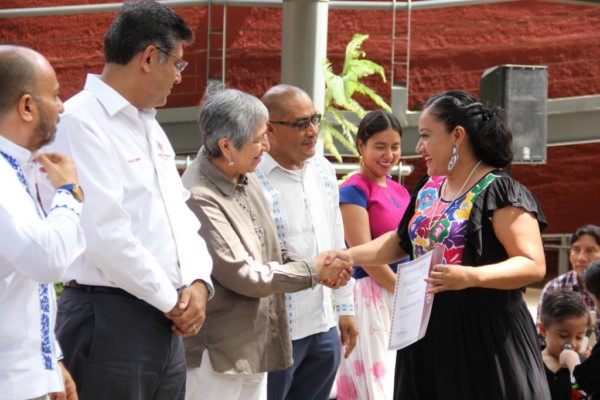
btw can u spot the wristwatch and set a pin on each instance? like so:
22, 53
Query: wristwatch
75, 190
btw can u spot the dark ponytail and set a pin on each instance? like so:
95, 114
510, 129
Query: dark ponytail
374, 122
486, 127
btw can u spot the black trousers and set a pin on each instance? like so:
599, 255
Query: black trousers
118, 347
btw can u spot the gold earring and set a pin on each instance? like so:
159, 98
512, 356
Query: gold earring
361, 160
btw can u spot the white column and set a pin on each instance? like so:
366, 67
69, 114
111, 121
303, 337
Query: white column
304, 46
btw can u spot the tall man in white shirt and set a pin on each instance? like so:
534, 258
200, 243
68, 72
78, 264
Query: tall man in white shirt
302, 189
144, 279
35, 250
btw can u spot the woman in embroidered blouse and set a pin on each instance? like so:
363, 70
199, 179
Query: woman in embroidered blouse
372, 204
481, 341
246, 333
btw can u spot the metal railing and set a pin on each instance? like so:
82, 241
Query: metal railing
559, 242
182, 162
333, 4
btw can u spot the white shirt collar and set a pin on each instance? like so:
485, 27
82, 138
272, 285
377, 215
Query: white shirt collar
21, 154
268, 164
112, 101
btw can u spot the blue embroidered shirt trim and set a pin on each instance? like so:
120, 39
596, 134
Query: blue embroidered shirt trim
43, 288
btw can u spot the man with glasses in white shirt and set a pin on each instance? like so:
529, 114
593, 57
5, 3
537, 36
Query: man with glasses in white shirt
144, 280
302, 189
35, 249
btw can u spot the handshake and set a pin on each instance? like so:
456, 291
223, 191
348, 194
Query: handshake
335, 268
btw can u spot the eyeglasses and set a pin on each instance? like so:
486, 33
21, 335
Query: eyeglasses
179, 63
302, 123
588, 252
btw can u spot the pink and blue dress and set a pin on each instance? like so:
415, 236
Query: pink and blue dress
369, 371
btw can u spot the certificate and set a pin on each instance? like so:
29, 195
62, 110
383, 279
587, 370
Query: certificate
412, 306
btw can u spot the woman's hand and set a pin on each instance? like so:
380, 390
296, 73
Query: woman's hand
335, 268
450, 277
518, 232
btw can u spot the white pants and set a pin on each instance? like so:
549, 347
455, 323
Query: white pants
204, 383
368, 373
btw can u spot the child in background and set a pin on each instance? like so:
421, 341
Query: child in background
585, 374
564, 321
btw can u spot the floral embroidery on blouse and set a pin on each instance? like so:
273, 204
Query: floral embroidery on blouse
440, 222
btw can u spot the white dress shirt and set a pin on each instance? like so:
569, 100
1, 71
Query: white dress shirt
141, 235
34, 253
305, 208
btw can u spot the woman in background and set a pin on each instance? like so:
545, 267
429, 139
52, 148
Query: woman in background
372, 204
584, 248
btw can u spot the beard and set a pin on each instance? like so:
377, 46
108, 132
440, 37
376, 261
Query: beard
45, 131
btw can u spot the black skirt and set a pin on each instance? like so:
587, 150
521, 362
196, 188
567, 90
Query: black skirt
480, 344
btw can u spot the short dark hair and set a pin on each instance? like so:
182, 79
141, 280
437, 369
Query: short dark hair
18, 76
591, 278
140, 24
592, 230
560, 305
486, 127
375, 122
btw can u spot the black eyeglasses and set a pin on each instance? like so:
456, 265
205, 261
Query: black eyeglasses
179, 63
302, 123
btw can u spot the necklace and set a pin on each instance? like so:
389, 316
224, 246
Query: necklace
247, 206
433, 221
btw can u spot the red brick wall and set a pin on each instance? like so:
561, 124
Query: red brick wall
450, 48
73, 44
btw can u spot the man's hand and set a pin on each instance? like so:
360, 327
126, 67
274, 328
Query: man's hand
348, 333
70, 392
335, 268
60, 169
190, 311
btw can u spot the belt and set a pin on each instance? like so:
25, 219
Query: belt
97, 289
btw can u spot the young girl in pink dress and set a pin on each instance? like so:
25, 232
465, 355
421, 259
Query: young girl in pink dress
372, 204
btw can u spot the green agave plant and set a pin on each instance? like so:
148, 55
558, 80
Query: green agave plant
339, 90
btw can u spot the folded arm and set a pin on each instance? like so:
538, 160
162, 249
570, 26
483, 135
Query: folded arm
519, 233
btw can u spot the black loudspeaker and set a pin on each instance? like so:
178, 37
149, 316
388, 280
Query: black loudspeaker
522, 91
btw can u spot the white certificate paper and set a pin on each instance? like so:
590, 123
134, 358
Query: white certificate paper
412, 306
